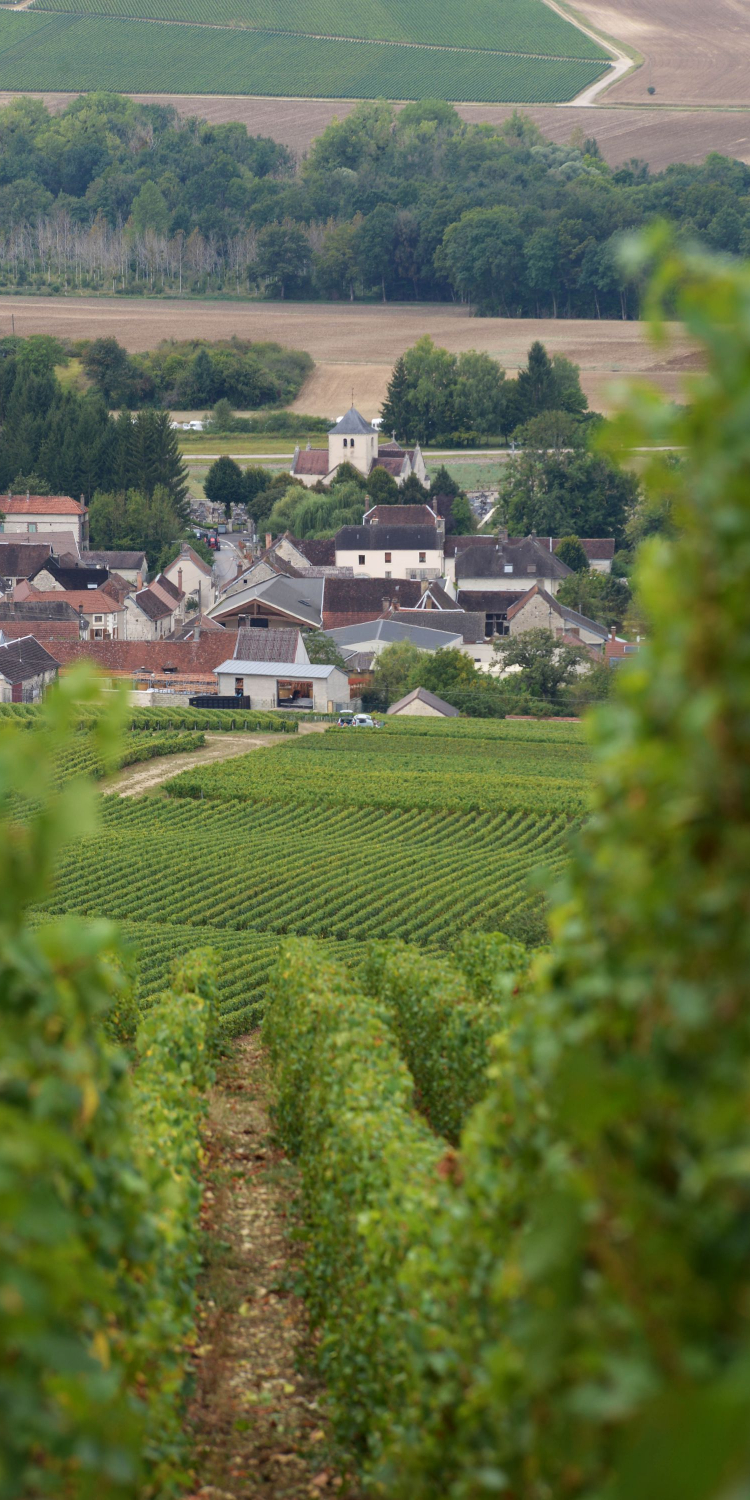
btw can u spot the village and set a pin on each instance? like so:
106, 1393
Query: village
195, 634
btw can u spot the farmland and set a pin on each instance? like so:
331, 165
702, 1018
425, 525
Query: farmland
415, 834
86, 52
356, 345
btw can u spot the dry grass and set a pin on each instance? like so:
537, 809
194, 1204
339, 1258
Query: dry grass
355, 346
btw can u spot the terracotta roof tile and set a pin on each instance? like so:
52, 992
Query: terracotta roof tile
40, 505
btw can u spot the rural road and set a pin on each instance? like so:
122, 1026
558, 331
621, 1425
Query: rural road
134, 780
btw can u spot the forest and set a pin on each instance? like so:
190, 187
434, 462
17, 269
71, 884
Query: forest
126, 198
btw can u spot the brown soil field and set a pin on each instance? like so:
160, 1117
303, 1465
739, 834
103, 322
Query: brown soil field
657, 135
355, 346
695, 52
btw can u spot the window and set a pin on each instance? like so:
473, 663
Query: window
239, 686
98, 619
361, 559
388, 575
32, 526
423, 557
508, 568
388, 557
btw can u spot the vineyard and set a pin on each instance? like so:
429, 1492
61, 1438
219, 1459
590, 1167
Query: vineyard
410, 834
88, 51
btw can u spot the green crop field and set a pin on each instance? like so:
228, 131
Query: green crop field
518, 51
414, 832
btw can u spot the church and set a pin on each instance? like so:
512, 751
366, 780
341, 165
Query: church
355, 441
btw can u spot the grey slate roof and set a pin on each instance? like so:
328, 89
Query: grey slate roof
23, 659
399, 515
518, 557
425, 696
261, 644
387, 538
153, 607
489, 601
37, 609
78, 577
352, 422
22, 562
301, 598
468, 624
320, 552
421, 635
117, 560
366, 595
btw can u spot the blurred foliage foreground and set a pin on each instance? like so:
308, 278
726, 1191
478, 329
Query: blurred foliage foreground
560, 1307
99, 1180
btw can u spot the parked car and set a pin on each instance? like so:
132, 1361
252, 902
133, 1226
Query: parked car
363, 721
344, 721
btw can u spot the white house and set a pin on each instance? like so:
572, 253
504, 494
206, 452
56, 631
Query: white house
273, 684
192, 576
390, 551
34, 515
26, 669
421, 703
132, 566
355, 441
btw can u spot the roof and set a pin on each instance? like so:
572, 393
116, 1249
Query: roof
393, 465
467, 624
399, 515
195, 622
89, 601
25, 658
188, 658
311, 461
516, 557
387, 538
118, 560
489, 601
40, 505
61, 542
319, 553
256, 644
118, 587
42, 630
370, 596
569, 616
23, 562
391, 446
78, 577
153, 606
42, 607
299, 598
424, 696
597, 548
358, 661
352, 422
299, 670
168, 587
422, 635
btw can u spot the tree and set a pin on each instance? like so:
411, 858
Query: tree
154, 459
382, 488
482, 256
546, 665
573, 554
551, 431
413, 492
462, 519
396, 413
135, 520
442, 671
109, 366
567, 494
600, 596
393, 669
480, 396
283, 256
535, 384
322, 650
374, 247
150, 210
224, 484
335, 264
443, 483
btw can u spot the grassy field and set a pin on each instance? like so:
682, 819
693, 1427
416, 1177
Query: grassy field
40, 50
415, 833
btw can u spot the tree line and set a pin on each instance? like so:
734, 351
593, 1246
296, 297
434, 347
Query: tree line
411, 203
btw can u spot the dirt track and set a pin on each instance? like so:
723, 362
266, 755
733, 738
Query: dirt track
144, 777
354, 345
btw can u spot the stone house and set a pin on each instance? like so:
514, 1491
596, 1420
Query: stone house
385, 551
424, 704
540, 610
192, 577
132, 566
26, 670
33, 515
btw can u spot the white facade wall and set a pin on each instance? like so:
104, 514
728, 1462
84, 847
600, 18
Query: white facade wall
329, 693
360, 449
37, 525
405, 563
508, 583
195, 582
419, 710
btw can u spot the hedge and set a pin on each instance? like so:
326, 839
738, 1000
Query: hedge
370, 1169
444, 1013
99, 1184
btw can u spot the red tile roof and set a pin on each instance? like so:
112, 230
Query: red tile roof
311, 461
187, 658
40, 505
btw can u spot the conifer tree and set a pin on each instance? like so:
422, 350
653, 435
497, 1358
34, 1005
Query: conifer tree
396, 412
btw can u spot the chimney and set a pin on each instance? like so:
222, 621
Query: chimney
613, 633
197, 633
139, 580
424, 586
179, 579
502, 534
269, 540
386, 606
308, 449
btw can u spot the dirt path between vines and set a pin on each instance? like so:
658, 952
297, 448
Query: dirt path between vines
134, 780
257, 1420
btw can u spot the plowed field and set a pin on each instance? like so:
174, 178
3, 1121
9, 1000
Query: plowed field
354, 346
695, 52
